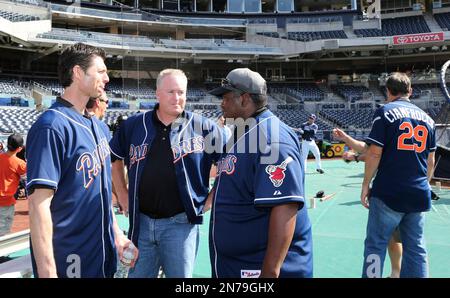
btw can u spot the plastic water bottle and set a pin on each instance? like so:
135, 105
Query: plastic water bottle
125, 262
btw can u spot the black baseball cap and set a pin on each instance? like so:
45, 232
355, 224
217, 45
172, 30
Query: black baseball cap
14, 142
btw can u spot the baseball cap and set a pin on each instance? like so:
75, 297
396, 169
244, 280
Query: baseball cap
312, 116
15, 141
242, 80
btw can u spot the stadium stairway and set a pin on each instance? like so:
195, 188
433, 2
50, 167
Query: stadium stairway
349, 32
431, 22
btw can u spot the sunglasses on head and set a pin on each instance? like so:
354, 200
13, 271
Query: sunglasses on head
227, 84
105, 101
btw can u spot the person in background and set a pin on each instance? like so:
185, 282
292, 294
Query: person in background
12, 169
308, 131
400, 161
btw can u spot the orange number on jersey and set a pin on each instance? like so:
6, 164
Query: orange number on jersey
419, 133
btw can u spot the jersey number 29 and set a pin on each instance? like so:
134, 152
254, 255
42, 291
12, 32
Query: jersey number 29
418, 133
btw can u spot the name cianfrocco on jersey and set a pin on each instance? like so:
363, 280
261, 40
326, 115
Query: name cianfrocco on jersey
90, 163
185, 147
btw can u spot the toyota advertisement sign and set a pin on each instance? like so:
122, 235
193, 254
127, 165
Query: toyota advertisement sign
418, 38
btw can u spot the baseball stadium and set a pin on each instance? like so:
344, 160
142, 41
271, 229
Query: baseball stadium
329, 59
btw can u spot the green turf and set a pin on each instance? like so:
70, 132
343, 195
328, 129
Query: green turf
339, 225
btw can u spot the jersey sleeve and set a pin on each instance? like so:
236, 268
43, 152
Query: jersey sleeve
117, 144
45, 159
282, 181
432, 139
377, 135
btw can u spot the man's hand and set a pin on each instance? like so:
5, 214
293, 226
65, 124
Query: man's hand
365, 194
348, 156
122, 199
123, 243
209, 200
340, 135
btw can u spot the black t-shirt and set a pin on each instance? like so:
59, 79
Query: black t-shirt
158, 189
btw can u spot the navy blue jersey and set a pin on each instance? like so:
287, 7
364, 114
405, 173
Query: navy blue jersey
195, 141
69, 153
309, 131
247, 187
407, 135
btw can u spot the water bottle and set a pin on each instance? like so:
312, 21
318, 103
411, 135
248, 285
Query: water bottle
125, 262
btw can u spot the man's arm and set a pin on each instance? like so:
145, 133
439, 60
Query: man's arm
281, 230
121, 241
41, 230
120, 185
430, 166
358, 146
372, 159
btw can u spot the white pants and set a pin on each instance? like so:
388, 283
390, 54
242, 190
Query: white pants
311, 146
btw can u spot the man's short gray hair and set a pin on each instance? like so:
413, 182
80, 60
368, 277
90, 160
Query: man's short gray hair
167, 72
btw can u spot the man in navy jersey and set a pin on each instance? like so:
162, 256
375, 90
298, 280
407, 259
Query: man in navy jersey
401, 153
72, 226
308, 131
259, 223
168, 156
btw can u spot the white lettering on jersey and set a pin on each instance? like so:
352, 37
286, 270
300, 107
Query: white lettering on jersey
185, 147
91, 162
137, 153
404, 112
226, 165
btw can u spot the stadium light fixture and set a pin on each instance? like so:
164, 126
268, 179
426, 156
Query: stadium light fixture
435, 48
230, 61
444, 48
422, 49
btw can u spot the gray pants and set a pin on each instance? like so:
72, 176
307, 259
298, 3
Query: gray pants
6, 219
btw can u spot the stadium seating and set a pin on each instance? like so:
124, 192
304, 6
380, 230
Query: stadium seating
10, 87
17, 119
269, 34
443, 19
295, 117
125, 88
316, 35
315, 19
349, 92
361, 118
17, 17
306, 92
397, 26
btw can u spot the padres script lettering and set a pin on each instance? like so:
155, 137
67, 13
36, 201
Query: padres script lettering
195, 144
91, 162
137, 153
226, 165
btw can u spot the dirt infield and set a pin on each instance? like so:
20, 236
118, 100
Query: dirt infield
20, 216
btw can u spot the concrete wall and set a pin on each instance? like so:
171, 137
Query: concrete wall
41, 12
366, 24
25, 30
314, 27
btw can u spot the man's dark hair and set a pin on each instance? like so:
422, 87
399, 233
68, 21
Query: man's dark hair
398, 83
78, 54
14, 142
